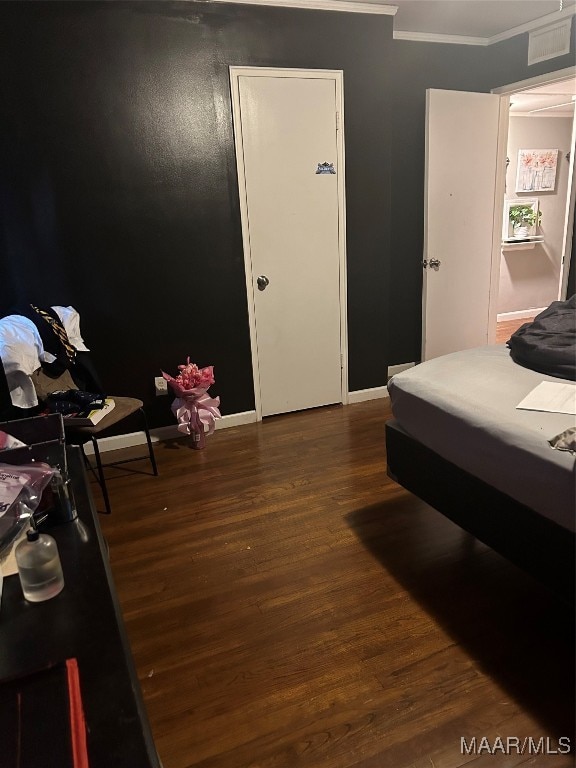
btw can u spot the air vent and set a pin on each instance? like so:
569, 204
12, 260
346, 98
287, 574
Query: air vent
549, 42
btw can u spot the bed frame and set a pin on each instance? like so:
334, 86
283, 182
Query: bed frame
524, 537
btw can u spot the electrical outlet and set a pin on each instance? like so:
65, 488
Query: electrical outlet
160, 385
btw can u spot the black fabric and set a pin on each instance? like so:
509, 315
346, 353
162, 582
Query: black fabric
81, 399
548, 343
5, 399
74, 401
84, 373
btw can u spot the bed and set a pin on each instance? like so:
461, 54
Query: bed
458, 441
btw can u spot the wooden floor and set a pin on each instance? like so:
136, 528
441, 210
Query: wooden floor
505, 328
288, 606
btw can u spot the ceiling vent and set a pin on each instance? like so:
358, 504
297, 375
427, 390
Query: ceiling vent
549, 42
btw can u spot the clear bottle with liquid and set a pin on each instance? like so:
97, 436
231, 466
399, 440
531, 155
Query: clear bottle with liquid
39, 567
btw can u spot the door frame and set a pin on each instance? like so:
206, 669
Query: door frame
505, 91
327, 74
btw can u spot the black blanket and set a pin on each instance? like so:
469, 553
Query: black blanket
548, 343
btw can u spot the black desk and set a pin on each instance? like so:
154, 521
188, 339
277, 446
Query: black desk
84, 621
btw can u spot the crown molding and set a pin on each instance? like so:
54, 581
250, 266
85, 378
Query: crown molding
533, 82
390, 10
433, 37
543, 21
556, 115
322, 5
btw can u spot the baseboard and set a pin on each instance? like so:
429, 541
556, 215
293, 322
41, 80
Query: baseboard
521, 313
170, 432
394, 369
360, 395
116, 442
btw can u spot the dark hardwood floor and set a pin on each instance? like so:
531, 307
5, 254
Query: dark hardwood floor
289, 606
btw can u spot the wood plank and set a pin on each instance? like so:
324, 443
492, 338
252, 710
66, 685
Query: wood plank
505, 328
289, 605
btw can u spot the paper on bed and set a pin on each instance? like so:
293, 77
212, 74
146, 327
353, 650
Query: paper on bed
551, 397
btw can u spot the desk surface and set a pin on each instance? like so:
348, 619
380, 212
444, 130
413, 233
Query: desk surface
84, 621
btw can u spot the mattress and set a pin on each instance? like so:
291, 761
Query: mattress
463, 407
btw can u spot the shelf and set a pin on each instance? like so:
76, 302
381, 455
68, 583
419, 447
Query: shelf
513, 244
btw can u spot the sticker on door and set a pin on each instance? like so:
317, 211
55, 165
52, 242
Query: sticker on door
326, 168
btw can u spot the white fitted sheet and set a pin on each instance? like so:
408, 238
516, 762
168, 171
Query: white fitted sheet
463, 407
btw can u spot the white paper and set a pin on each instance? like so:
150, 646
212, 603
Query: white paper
551, 397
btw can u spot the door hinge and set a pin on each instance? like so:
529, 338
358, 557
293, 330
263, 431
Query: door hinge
341, 362
337, 121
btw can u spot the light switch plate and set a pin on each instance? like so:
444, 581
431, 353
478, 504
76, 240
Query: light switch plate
160, 385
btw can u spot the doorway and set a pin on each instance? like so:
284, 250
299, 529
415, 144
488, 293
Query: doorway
288, 127
463, 225
534, 265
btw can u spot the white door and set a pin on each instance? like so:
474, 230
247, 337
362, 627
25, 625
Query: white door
286, 129
461, 226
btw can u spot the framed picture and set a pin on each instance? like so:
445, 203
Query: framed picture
531, 203
536, 170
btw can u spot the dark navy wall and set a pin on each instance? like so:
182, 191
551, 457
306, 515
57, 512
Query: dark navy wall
119, 190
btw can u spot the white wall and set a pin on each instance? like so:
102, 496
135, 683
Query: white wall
529, 278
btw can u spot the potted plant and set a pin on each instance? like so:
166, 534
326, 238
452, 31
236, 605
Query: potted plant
523, 219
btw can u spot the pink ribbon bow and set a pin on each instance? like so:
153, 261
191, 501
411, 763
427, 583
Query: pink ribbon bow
195, 411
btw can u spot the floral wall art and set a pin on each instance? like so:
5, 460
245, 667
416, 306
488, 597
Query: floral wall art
536, 170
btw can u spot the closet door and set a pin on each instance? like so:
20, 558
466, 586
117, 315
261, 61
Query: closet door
286, 130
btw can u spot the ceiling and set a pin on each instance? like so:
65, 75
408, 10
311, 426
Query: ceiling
546, 100
490, 19
480, 21
470, 18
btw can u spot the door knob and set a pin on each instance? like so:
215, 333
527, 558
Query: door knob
262, 282
434, 263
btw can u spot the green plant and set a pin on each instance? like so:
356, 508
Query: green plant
524, 216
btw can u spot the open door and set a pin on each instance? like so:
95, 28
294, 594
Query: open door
462, 228
568, 245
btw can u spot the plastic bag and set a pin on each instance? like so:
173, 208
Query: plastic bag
21, 489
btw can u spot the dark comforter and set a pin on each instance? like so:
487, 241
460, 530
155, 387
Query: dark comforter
548, 343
